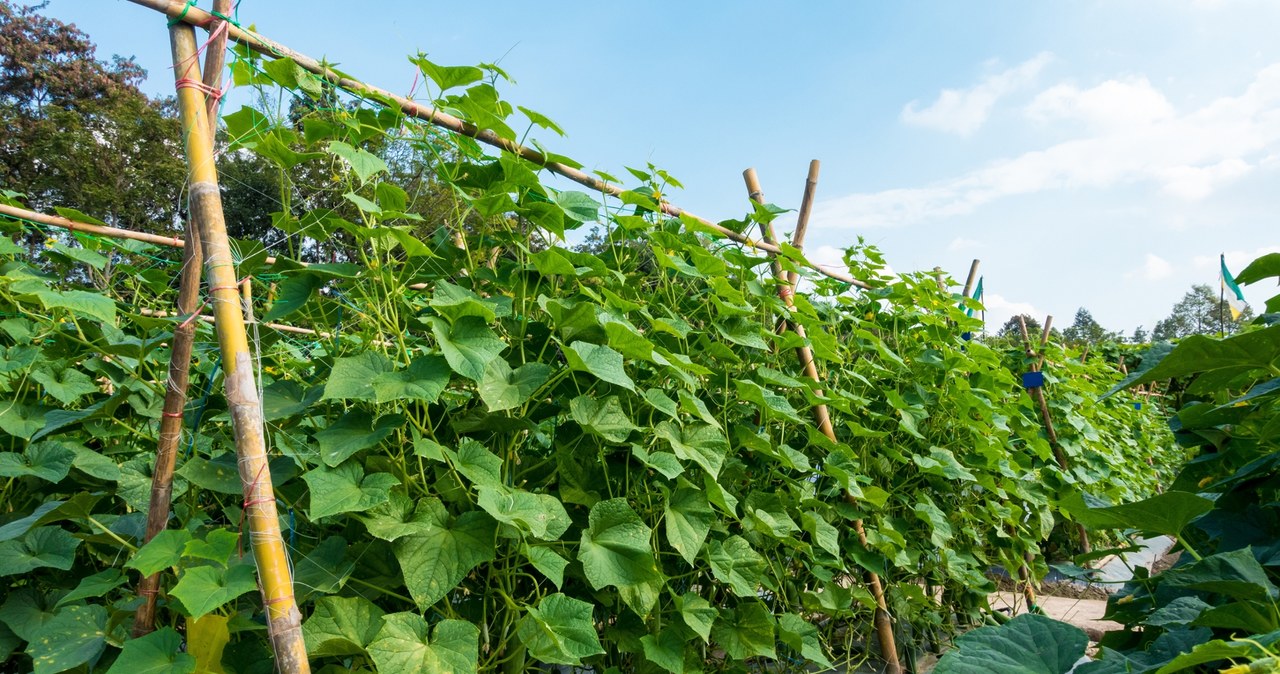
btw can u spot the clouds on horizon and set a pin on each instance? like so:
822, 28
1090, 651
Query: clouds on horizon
964, 111
1126, 131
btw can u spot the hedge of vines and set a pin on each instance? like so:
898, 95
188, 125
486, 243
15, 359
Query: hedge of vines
538, 456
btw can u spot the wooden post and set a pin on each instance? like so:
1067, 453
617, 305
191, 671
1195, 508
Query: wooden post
938, 276
883, 622
1037, 394
175, 395
973, 276
284, 622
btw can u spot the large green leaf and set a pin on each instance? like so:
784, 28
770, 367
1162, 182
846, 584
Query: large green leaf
435, 561
1198, 354
351, 433
735, 563
93, 586
425, 379
616, 550
407, 645
352, 377
76, 635
539, 515
803, 638
503, 388
1236, 574
66, 384
364, 163
86, 304
346, 489
687, 520
1028, 644
160, 652
559, 630
454, 302
163, 551
448, 77
203, 589
701, 443
468, 345
697, 613
604, 418
601, 361
746, 631
1168, 513
48, 460
341, 626
43, 547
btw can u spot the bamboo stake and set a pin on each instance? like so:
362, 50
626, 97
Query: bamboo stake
215, 57
802, 218
883, 622
1037, 394
284, 622
973, 276
197, 17
175, 397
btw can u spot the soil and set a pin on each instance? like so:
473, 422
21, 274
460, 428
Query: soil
1165, 562
1066, 589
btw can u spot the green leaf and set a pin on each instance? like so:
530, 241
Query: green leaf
341, 626
50, 461
1168, 513
687, 521
43, 547
703, 444
767, 400
217, 546
539, 515
8, 247
666, 650
403, 646
324, 569
604, 418
541, 120
615, 550
97, 585
943, 462
352, 377
697, 613
560, 630
76, 635
160, 652
802, 637
351, 433
821, 532
81, 255
65, 384
1267, 266
86, 304
476, 463
364, 163
163, 551
425, 379
1028, 644
746, 631
362, 203
397, 517
578, 206
468, 345
448, 77
1236, 574
346, 489
736, 564
292, 294
203, 589
435, 561
454, 302
601, 361
1199, 354
663, 462
503, 388
548, 562
20, 420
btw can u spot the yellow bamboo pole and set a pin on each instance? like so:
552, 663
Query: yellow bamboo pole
284, 622
802, 218
197, 17
883, 622
175, 398
973, 275
1037, 394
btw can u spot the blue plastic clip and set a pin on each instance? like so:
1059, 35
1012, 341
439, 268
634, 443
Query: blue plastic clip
1032, 380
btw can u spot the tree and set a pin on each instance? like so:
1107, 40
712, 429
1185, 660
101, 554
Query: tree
1200, 312
78, 131
1085, 330
1012, 330
1140, 335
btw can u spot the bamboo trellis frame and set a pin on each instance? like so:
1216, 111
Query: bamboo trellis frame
195, 16
883, 621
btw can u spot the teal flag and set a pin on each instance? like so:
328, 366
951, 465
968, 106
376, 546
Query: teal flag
977, 294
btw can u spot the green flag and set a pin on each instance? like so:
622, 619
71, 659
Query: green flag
1231, 291
977, 294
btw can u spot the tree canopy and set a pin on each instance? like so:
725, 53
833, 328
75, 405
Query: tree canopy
1200, 312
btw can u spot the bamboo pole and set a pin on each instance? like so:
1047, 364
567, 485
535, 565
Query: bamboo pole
197, 17
1037, 394
284, 622
802, 218
883, 622
175, 397
973, 276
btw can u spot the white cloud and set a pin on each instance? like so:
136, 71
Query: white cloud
1154, 268
963, 111
1132, 135
1237, 260
960, 244
1000, 310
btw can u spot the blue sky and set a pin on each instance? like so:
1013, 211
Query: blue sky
1096, 154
